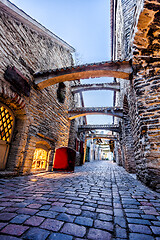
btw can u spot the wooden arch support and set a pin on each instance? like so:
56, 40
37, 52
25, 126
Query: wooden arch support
99, 86
79, 112
119, 69
110, 127
102, 136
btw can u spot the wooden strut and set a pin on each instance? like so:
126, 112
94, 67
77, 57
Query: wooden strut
119, 69
79, 112
111, 127
97, 86
103, 136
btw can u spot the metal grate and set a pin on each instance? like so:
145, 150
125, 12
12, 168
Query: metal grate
6, 124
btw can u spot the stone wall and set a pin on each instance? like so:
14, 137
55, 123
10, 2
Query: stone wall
76, 137
147, 90
40, 118
127, 14
142, 92
124, 20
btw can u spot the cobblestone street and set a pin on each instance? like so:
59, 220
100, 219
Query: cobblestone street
98, 201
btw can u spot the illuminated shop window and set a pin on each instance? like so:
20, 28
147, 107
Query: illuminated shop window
6, 124
40, 158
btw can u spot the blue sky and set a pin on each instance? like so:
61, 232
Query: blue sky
85, 25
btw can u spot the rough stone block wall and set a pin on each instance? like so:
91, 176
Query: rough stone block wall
127, 135
74, 134
146, 131
127, 12
147, 91
75, 122
131, 10
144, 90
120, 158
128, 146
42, 118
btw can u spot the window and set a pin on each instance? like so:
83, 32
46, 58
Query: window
61, 92
6, 124
40, 157
6, 130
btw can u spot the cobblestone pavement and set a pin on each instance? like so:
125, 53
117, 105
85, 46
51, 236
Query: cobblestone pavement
99, 201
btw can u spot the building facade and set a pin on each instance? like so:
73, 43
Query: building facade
33, 122
135, 37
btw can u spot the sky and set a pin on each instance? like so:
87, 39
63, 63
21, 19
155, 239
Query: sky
85, 25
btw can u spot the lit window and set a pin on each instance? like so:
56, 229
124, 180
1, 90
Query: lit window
40, 158
6, 124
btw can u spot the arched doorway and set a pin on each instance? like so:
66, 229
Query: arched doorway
6, 129
40, 158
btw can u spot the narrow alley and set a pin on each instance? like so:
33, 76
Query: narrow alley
100, 200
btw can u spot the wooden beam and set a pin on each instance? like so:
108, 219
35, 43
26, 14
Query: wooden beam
97, 86
79, 112
104, 69
110, 127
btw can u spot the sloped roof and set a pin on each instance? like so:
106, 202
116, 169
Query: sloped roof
21, 16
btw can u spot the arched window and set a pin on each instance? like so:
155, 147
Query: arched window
40, 157
6, 130
61, 92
